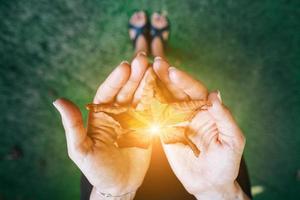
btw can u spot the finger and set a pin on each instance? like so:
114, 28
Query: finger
138, 68
72, 122
145, 88
177, 154
193, 88
203, 130
113, 83
161, 68
225, 122
140, 89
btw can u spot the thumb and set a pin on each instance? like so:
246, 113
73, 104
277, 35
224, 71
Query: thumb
72, 122
226, 124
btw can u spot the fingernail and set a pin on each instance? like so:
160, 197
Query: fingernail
157, 58
219, 96
141, 53
172, 69
55, 104
58, 107
124, 62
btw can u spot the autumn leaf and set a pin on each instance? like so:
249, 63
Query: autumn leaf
152, 110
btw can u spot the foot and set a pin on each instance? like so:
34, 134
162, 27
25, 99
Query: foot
138, 19
159, 21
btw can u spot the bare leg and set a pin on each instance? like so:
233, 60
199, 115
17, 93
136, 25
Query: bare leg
157, 48
159, 21
139, 19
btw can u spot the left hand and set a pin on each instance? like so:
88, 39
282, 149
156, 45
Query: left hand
212, 175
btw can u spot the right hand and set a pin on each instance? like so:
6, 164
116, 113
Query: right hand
111, 170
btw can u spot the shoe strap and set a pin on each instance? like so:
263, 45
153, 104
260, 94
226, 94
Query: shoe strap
158, 32
139, 30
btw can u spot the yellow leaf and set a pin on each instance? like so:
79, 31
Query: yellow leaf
152, 114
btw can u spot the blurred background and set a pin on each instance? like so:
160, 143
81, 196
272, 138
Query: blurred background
249, 50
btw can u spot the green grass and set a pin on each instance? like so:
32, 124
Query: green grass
249, 50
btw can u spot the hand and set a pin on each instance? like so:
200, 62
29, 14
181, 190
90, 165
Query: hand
212, 175
111, 170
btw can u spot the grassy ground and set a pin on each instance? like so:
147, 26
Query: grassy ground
247, 49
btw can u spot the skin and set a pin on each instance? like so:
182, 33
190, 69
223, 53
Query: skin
111, 170
139, 19
158, 21
212, 175
215, 132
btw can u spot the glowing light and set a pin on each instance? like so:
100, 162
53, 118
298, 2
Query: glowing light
154, 129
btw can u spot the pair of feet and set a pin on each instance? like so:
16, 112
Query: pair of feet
159, 32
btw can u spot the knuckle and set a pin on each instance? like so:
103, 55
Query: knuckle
140, 60
133, 82
123, 97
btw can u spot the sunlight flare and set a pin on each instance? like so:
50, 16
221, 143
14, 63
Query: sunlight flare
154, 129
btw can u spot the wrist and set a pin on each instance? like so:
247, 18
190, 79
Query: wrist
225, 192
98, 195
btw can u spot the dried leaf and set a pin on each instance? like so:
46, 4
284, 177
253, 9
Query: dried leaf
153, 108
133, 139
192, 105
172, 135
107, 108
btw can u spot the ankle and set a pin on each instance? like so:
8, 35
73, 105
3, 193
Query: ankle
141, 45
157, 48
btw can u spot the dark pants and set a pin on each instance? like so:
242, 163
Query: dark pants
161, 183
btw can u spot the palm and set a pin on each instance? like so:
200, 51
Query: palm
216, 158
105, 165
109, 168
216, 162
214, 132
